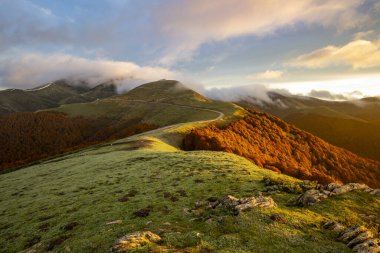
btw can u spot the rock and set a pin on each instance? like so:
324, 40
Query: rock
310, 197
249, 203
229, 201
369, 246
148, 223
134, 241
265, 202
348, 188
360, 239
334, 226
375, 192
167, 224
114, 222
332, 186
351, 233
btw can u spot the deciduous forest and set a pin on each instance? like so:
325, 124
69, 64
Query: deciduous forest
273, 144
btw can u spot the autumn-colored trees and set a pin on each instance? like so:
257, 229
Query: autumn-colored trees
273, 144
26, 137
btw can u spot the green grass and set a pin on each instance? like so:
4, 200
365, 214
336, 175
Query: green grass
84, 187
81, 191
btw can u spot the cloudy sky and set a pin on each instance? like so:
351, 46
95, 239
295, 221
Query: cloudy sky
300, 45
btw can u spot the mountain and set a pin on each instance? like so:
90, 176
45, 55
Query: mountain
272, 143
51, 95
169, 91
353, 125
26, 137
145, 184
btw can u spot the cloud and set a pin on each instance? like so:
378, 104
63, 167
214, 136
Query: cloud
30, 70
363, 35
359, 54
267, 75
189, 24
237, 93
327, 95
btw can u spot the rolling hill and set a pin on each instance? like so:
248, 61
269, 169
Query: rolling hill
84, 201
51, 95
27, 137
353, 125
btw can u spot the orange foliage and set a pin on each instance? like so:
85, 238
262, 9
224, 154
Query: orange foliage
273, 144
27, 137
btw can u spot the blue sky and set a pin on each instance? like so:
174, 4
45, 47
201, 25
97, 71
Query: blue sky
298, 45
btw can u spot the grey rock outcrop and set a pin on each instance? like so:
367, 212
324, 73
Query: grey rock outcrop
358, 238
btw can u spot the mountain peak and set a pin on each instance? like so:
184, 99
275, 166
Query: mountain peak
170, 91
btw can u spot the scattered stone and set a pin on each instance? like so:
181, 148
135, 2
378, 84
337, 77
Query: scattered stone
235, 204
369, 246
375, 192
310, 197
142, 212
359, 238
334, 226
229, 200
167, 224
348, 188
321, 192
351, 233
134, 241
114, 222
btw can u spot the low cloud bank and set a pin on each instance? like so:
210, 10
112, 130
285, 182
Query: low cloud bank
31, 70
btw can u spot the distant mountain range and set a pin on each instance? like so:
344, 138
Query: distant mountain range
354, 125
51, 95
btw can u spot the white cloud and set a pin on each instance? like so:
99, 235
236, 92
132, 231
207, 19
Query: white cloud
267, 75
189, 24
359, 54
33, 69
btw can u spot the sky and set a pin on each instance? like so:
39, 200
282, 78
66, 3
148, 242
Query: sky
302, 46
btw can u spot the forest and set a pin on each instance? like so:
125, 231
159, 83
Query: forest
274, 144
26, 137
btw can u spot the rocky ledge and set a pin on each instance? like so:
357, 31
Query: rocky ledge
135, 241
235, 204
321, 192
358, 238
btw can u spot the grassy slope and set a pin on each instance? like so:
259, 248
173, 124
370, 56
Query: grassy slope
155, 102
84, 187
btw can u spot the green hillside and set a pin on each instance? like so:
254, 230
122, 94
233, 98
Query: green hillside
52, 95
65, 204
161, 103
